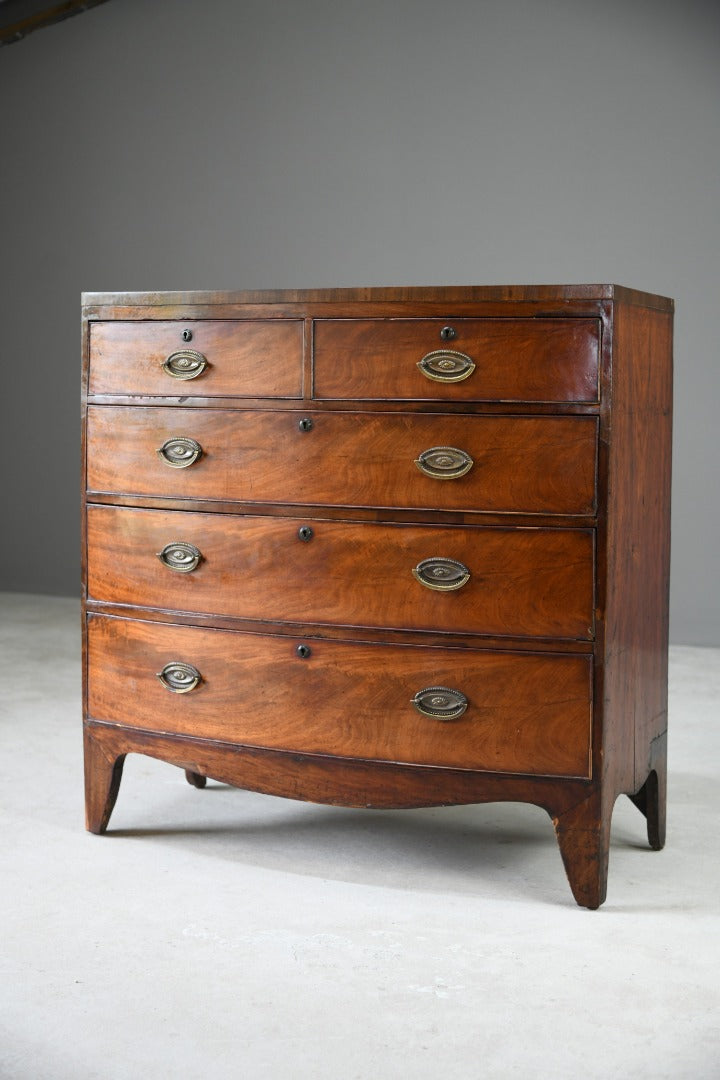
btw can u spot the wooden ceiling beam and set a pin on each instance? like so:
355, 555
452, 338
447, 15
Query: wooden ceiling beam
18, 18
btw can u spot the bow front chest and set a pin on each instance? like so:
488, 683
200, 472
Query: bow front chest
383, 548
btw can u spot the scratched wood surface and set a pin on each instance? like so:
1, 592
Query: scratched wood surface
559, 638
244, 358
515, 359
527, 713
523, 582
532, 464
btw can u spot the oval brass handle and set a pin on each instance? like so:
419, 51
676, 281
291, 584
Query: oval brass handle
446, 365
440, 703
179, 451
443, 575
444, 462
180, 556
178, 677
185, 364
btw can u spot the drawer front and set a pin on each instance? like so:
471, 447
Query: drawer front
525, 713
543, 465
220, 359
554, 360
524, 582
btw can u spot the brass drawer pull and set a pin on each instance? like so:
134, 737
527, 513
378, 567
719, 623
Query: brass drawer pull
180, 556
440, 703
443, 575
446, 365
179, 678
185, 364
179, 451
444, 463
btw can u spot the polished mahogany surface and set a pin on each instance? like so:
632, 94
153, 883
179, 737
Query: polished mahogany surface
535, 465
235, 358
383, 547
511, 359
521, 582
526, 713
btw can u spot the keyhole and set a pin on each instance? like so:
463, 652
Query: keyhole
448, 333
187, 335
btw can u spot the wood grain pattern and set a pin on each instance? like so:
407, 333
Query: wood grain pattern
566, 296
569, 482
522, 464
321, 778
527, 713
516, 359
245, 358
524, 582
638, 548
583, 834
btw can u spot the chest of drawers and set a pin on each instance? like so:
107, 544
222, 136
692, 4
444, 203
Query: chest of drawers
383, 548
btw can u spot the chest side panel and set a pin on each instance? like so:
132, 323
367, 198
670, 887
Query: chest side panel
638, 545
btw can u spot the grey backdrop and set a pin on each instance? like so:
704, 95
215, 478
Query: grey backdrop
261, 144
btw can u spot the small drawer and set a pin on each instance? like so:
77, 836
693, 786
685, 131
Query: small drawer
247, 358
553, 360
521, 582
519, 464
496, 711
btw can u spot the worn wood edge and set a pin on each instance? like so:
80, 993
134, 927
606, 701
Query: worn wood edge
411, 639
374, 294
627, 402
50, 14
476, 406
357, 294
384, 513
468, 640
84, 381
317, 311
353, 514
336, 781
599, 758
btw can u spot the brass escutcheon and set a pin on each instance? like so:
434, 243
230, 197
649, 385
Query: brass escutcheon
446, 365
179, 451
185, 364
444, 462
180, 556
179, 677
442, 575
440, 703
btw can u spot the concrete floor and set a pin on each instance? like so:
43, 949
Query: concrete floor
223, 933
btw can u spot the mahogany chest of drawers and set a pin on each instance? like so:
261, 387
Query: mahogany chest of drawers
383, 548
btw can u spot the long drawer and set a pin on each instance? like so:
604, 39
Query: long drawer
209, 358
555, 360
535, 465
524, 582
523, 713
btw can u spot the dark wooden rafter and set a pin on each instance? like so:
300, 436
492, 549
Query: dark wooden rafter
18, 18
